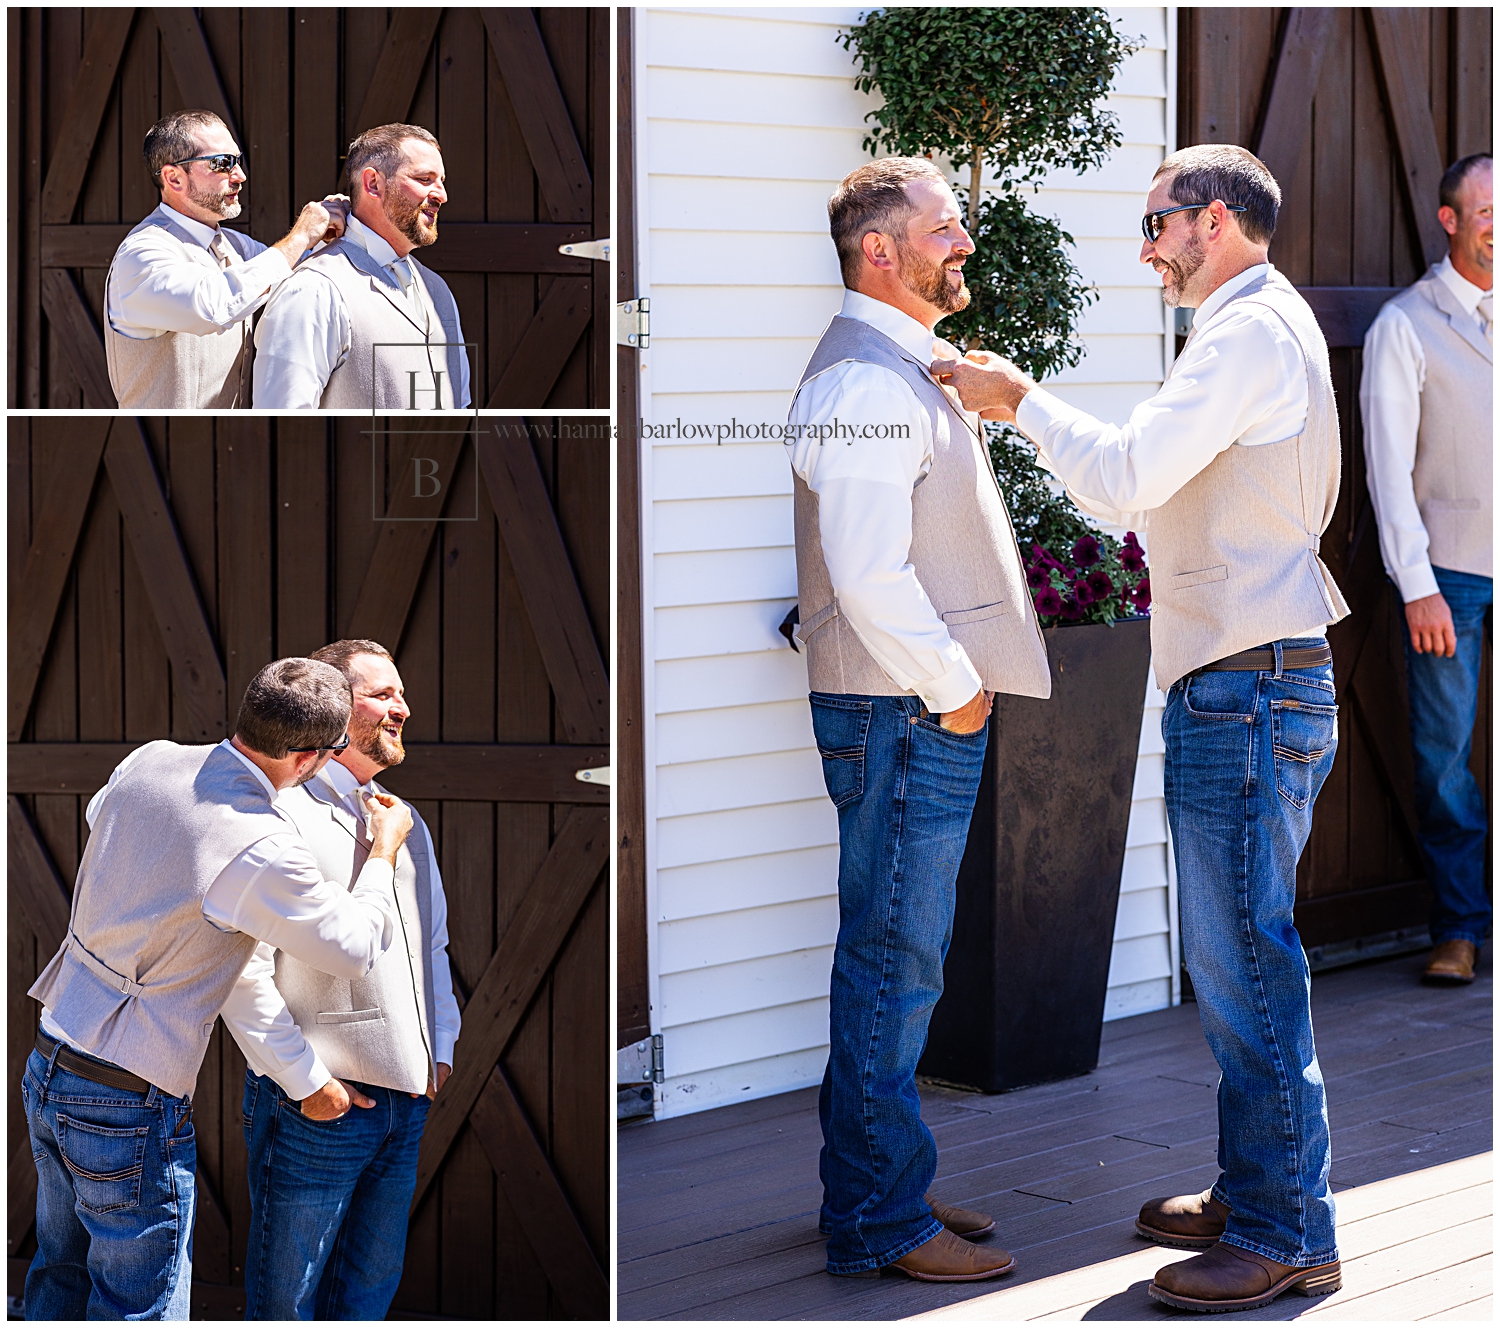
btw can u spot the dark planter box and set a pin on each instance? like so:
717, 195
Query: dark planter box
1026, 973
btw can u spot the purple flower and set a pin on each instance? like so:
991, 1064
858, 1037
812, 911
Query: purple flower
1048, 602
1086, 551
1083, 593
1100, 584
1037, 577
1142, 596
1072, 612
1132, 559
1130, 540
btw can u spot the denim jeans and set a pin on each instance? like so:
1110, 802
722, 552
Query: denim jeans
328, 1203
114, 1198
1247, 753
1451, 819
904, 788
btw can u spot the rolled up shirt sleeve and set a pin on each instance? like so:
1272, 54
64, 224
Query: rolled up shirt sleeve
302, 338
155, 289
262, 1026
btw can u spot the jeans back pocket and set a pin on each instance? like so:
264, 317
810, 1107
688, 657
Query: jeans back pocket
1303, 738
842, 728
105, 1162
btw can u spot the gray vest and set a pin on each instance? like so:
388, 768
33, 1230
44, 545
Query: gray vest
181, 370
386, 344
963, 547
142, 975
376, 1029
1234, 552
1454, 473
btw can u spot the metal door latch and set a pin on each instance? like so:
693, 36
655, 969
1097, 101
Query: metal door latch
633, 324
642, 1062
598, 250
599, 774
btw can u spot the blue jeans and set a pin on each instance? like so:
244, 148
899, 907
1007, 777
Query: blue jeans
328, 1203
1451, 819
904, 788
1246, 755
114, 1198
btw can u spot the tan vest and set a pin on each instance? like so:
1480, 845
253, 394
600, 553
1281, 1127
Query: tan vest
963, 548
143, 974
387, 346
1234, 552
376, 1029
1454, 473
180, 369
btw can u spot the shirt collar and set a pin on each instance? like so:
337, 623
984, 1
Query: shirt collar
376, 246
901, 328
1228, 291
201, 232
1464, 290
339, 778
271, 790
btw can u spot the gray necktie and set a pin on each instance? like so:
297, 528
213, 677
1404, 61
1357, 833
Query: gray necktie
222, 250
1487, 315
412, 290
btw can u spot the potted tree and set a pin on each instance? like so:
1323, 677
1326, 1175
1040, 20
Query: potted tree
1020, 91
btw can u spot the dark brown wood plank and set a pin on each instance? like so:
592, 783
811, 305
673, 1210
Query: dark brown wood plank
301, 521
497, 246
186, 47
43, 895
541, 113
558, 619
69, 162
537, 1196
1344, 313
545, 345
520, 962
267, 106
1284, 125
168, 581
243, 508
58, 521
400, 66
74, 325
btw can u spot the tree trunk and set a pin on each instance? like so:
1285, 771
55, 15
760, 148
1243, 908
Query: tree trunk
976, 170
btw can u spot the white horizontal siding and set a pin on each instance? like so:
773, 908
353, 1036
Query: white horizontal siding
748, 119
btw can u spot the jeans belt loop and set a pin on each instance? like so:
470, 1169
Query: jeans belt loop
1276, 646
57, 1047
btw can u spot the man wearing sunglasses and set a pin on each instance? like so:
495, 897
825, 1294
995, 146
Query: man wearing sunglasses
182, 289
189, 865
1236, 460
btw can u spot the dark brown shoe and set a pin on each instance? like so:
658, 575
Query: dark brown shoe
963, 1222
1451, 963
1229, 1278
1188, 1221
946, 1258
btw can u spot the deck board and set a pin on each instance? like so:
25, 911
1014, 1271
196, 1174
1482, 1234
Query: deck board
718, 1211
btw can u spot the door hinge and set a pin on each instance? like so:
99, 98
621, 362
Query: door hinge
642, 1062
633, 324
598, 250
598, 774
1182, 321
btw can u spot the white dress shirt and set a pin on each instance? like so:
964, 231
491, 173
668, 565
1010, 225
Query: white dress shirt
864, 486
313, 334
275, 892
154, 290
256, 1014
1390, 400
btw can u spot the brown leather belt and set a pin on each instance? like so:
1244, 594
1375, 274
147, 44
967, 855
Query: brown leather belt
70, 1060
1298, 657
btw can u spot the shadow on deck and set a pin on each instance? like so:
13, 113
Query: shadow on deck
718, 1211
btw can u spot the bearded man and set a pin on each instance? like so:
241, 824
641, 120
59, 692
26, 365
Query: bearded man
914, 612
182, 290
363, 325
340, 1072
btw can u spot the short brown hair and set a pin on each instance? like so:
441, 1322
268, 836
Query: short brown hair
171, 140
1454, 177
382, 148
341, 653
294, 703
1208, 171
874, 198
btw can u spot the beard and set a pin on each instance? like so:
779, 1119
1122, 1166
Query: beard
929, 281
407, 218
373, 741
220, 204
1183, 269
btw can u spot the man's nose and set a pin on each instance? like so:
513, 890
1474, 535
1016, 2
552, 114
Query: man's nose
238, 174
1148, 251
400, 710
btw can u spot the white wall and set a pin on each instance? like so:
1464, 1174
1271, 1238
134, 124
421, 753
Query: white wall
748, 118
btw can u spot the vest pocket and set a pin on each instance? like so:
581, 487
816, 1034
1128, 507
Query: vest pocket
348, 1016
1452, 504
105, 1163
957, 616
1184, 580
1302, 735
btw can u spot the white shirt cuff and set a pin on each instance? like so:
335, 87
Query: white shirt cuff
954, 690
442, 1047
302, 1079
1416, 582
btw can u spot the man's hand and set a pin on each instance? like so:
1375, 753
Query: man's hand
337, 206
970, 718
332, 1101
443, 1072
389, 820
986, 382
315, 223
1431, 624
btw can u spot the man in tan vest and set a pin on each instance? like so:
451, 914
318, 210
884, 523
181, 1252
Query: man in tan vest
362, 325
914, 612
1427, 395
1236, 461
339, 1071
182, 289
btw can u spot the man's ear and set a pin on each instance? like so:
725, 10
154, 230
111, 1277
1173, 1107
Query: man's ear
370, 183
1448, 219
878, 249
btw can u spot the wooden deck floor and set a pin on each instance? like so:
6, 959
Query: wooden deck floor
718, 1211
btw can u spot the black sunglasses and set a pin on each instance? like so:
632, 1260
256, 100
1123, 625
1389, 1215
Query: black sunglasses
1151, 223
222, 162
335, 749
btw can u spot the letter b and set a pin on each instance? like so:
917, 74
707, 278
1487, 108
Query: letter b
429, 474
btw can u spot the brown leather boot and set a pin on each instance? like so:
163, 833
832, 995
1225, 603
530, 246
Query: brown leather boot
1451, 963
946, 1258
1229, 1278
963, 1222
1188, 1221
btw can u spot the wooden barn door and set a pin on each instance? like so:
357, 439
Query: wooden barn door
155, 566
517, 96
1356, 112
